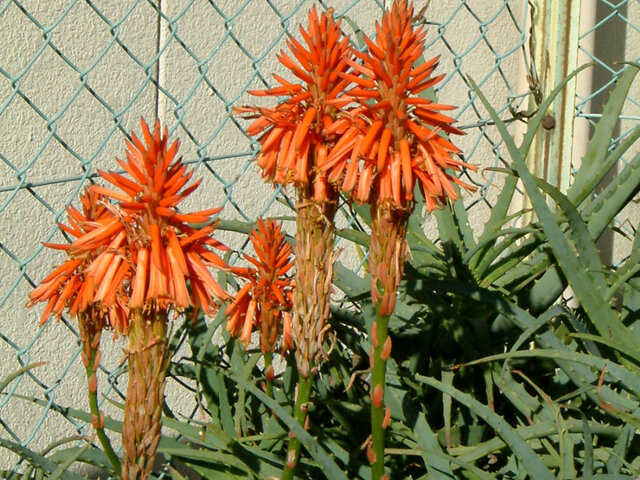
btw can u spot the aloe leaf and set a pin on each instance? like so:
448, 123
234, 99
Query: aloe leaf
500, 210
612, 476
461, 218
631, 298
37, 460
625, 273
64, 465
401, 406
235, 226
581, 374
175, 475
630, 352
529, 406
532, 463
628, 379
565, 444
519, 264
354, 286
357, 31
188, 454
530, 432
12, 376
541, 321
331, 470
448, 229
599, 213
548, 290
598, 310
508, 236
213, 443
579, 234
498, 218
615, 196
470, 469
424, 255
614, 462
92, 456
212, 384
591, 170
355, 236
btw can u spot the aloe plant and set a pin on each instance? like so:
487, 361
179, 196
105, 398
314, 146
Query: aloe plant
492, 375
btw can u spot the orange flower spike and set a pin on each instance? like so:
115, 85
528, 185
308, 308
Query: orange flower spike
161, 247
70, 286
143, 276
266, 297
399, 121
293, 131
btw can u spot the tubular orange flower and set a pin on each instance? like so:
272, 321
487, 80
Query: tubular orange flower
265, 300
401, 132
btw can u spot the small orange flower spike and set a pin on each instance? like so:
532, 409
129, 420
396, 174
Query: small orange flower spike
265, 299
400, 139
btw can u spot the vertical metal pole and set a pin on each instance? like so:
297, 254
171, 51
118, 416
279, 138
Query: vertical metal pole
554, 51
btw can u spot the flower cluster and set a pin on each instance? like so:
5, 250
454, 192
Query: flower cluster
132, 248
297, 134
358, 117
400, 139
266, 298
69, 286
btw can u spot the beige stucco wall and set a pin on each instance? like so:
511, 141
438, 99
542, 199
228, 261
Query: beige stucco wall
114, 83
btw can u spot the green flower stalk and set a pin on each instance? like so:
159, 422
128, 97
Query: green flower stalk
399, 144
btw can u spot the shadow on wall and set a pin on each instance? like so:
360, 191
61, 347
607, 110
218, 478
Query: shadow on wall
609, 48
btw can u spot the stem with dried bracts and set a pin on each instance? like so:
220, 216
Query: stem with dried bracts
314, 253
387, 255
148, 360
314, 257
90, 329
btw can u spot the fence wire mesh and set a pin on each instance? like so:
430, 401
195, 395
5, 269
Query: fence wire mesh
610, 38
76, 76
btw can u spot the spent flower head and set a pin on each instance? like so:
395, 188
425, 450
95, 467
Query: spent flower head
265, 300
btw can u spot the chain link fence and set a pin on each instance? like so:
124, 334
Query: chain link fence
609, 37
77, 75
